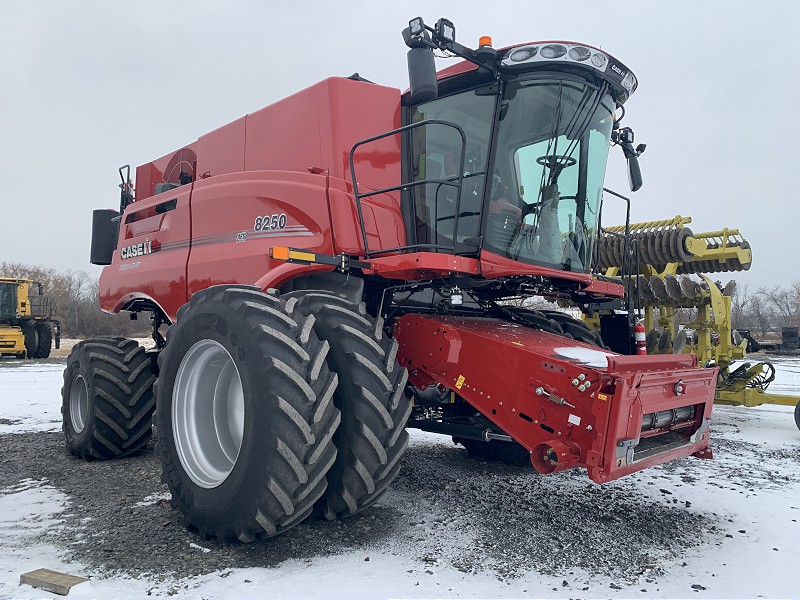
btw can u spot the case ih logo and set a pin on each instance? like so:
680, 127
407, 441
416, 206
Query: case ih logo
618, 71
140, 249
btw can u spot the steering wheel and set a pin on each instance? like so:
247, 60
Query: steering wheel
556, 160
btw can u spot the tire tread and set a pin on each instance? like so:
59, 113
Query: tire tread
291, 475
120, 383
371, 397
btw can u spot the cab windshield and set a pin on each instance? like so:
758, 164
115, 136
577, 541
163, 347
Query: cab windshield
546, 181
8, 300
550, 161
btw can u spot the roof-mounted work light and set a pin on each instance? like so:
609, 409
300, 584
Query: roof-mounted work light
416, 25
445, 31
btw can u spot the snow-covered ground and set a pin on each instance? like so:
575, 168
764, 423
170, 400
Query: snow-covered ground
30, 396
752, 488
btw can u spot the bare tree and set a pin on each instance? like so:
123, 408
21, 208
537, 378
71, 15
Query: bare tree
759, 315
740, 306
783, 304
76, 298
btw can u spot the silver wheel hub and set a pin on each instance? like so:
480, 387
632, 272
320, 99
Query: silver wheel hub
208, 413
78, 403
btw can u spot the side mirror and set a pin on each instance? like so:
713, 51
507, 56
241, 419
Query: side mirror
624, 138
422, 75
105, 228
634, 173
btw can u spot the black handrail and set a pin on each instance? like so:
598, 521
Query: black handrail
404, 186
630, 253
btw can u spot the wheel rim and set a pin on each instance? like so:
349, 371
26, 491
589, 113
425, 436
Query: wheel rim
208, 413
78, 403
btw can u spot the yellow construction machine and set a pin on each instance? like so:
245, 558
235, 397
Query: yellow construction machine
26, 319
664, 265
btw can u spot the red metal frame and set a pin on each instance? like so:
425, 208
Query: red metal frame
481, 360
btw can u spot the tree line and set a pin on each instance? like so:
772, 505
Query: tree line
76, 298
767, 309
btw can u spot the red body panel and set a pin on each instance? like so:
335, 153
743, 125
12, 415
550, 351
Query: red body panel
497, 367
225, 246
290, 158
383, 220
494, 265
159, 276
166, 169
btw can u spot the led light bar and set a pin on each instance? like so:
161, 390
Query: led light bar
565, 53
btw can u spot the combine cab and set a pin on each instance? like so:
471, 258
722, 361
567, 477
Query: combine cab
354, 260
26, 319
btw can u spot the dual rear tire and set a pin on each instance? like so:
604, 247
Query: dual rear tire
268, 409
372, 436
245, 417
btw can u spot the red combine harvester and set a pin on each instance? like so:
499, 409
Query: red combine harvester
354, 260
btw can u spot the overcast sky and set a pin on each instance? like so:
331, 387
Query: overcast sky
88, 86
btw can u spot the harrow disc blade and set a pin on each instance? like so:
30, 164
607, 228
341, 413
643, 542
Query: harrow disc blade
645, 291
682, 255
665, 342
673, 288
689, 288
729, 289
659, 289
651, 340
679, 345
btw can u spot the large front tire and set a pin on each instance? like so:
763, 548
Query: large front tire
245, 416
31, 338
372, 436
107, 398
44, 339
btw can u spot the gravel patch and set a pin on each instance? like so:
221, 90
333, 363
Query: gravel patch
444, 508
560, 525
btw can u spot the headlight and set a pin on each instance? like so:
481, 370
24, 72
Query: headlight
553, 51
599, 60
629, 82
522, 54
579, 53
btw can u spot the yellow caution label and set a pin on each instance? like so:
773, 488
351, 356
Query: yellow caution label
604, 397
460, 381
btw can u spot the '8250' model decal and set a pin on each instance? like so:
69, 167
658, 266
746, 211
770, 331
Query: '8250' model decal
270, 222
